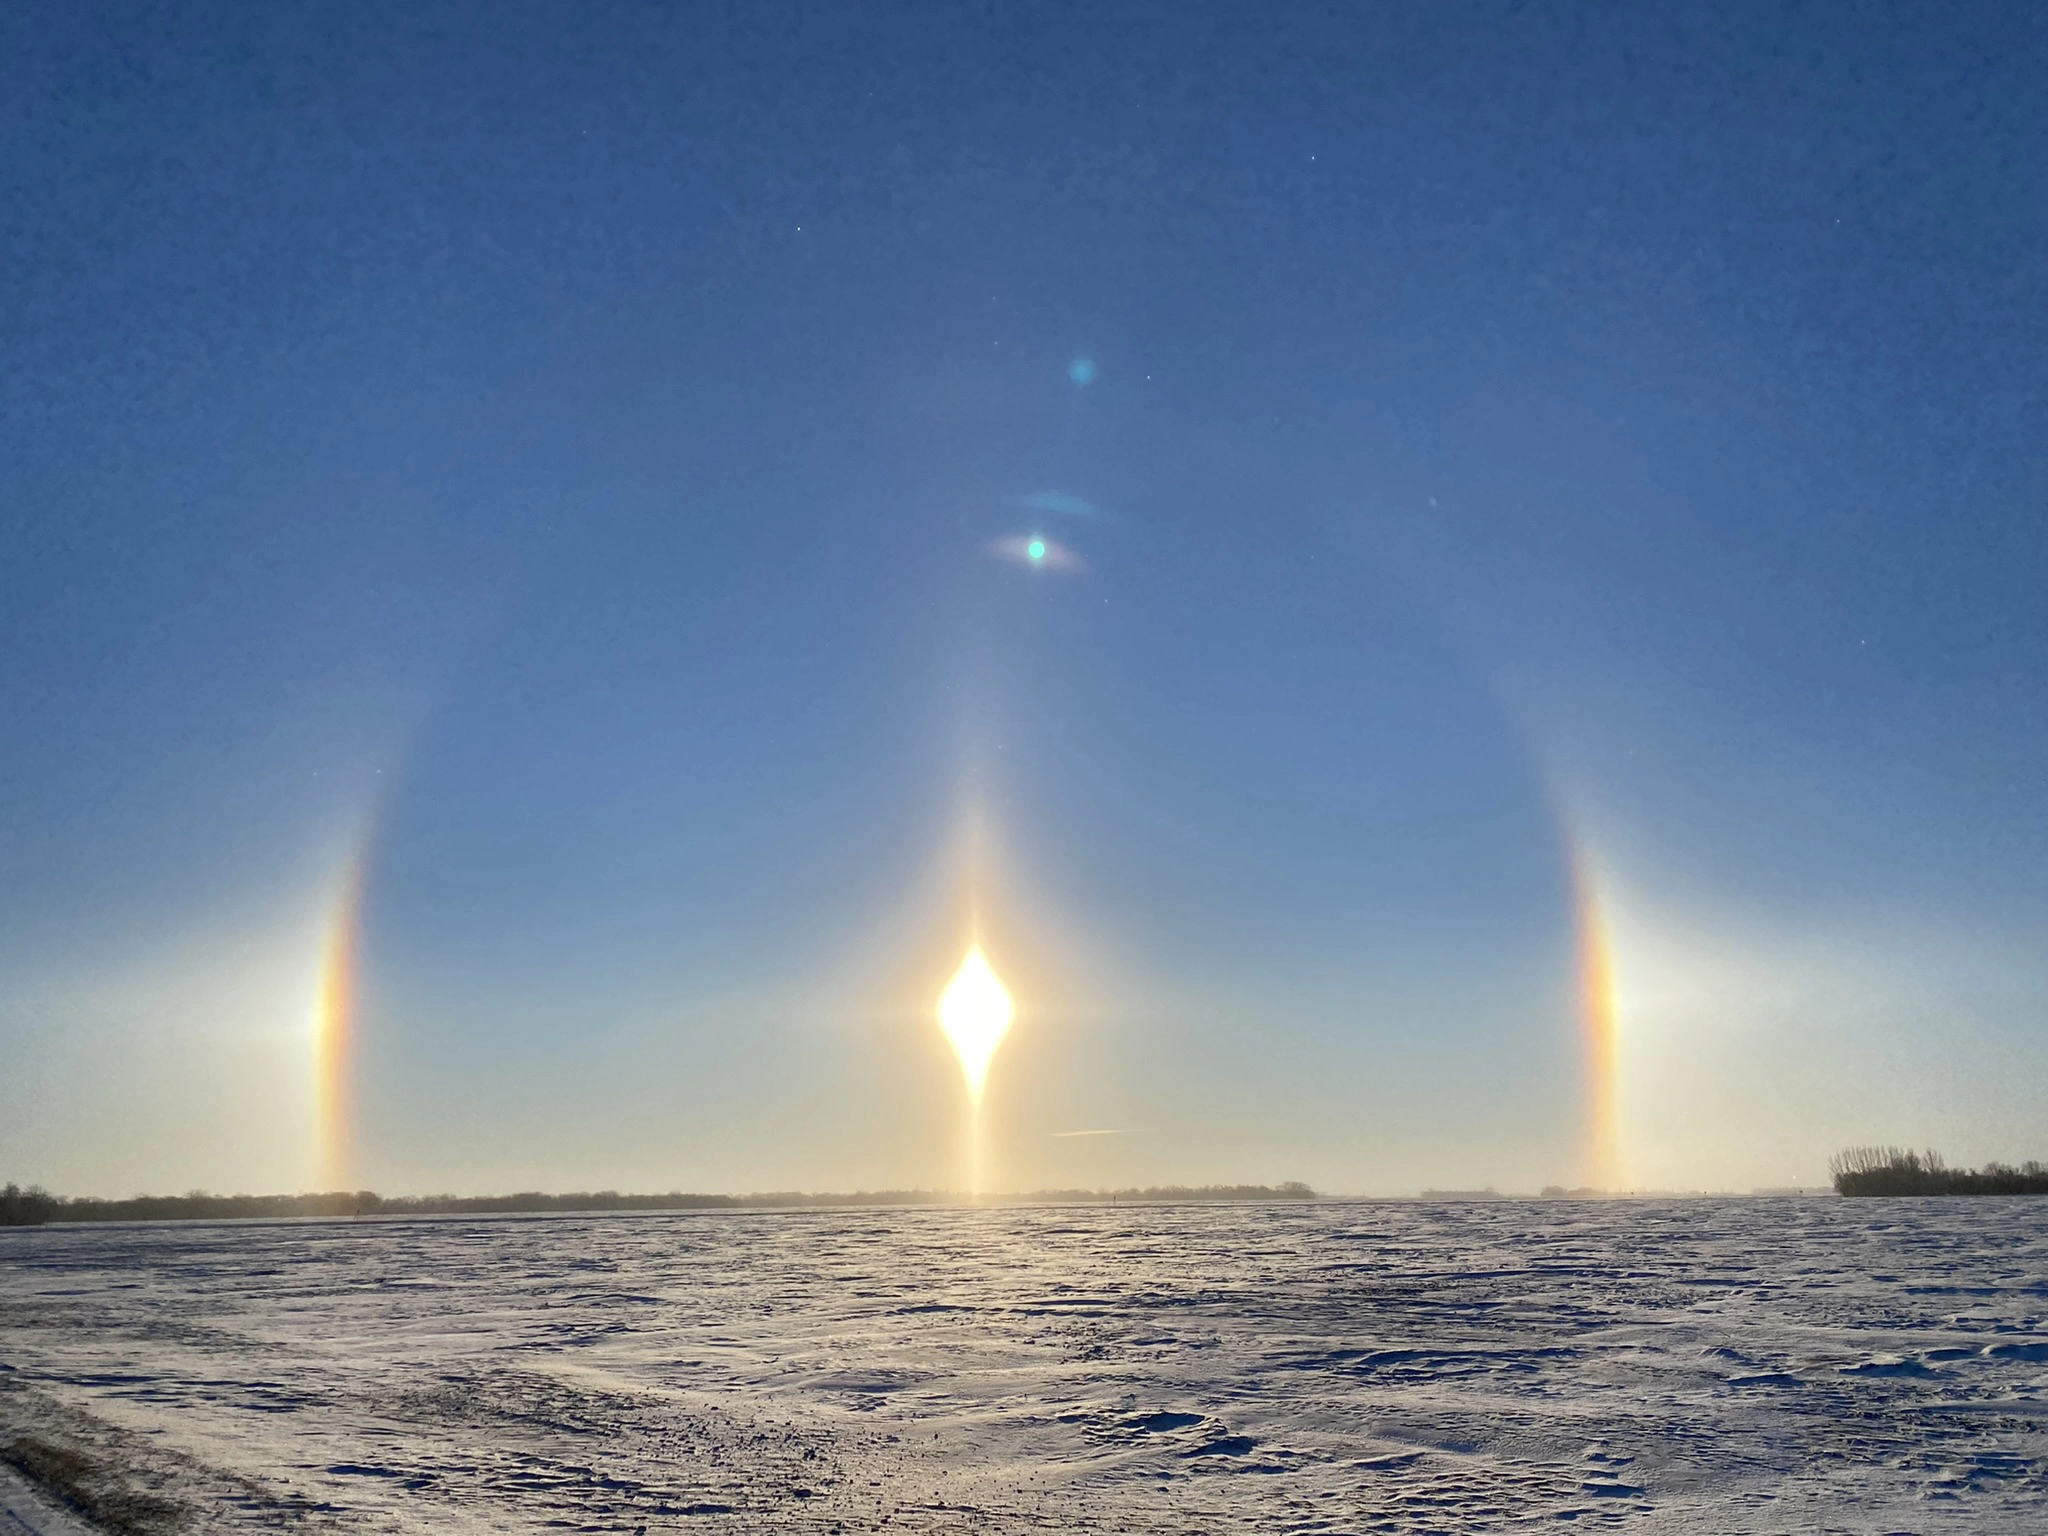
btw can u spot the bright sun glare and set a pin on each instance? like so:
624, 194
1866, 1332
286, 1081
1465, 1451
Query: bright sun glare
975, 1012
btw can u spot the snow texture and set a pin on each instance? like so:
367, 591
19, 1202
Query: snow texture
26, 1510
1702, 1365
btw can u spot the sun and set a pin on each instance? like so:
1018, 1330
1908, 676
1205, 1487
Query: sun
975, 1012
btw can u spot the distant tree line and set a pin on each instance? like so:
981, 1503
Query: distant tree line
1897, 1171
29, 1207
35, 1206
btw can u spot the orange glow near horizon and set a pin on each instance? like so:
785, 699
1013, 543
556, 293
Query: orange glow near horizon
1606, 1164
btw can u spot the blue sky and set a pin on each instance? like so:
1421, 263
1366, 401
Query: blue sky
560, 455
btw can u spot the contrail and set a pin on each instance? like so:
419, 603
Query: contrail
1058, 1134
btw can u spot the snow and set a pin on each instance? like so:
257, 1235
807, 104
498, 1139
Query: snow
26, 1510
1689, 1365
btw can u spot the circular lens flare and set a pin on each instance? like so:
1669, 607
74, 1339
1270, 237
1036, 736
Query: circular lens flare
975, 1012
1036, 552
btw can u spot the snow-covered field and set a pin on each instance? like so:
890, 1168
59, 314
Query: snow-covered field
1700, 1365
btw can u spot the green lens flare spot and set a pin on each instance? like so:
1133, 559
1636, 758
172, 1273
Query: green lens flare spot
1035, 549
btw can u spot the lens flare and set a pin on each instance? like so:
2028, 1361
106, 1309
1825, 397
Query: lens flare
1036, 552
975, 1012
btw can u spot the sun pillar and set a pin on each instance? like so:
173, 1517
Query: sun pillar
975, 1012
